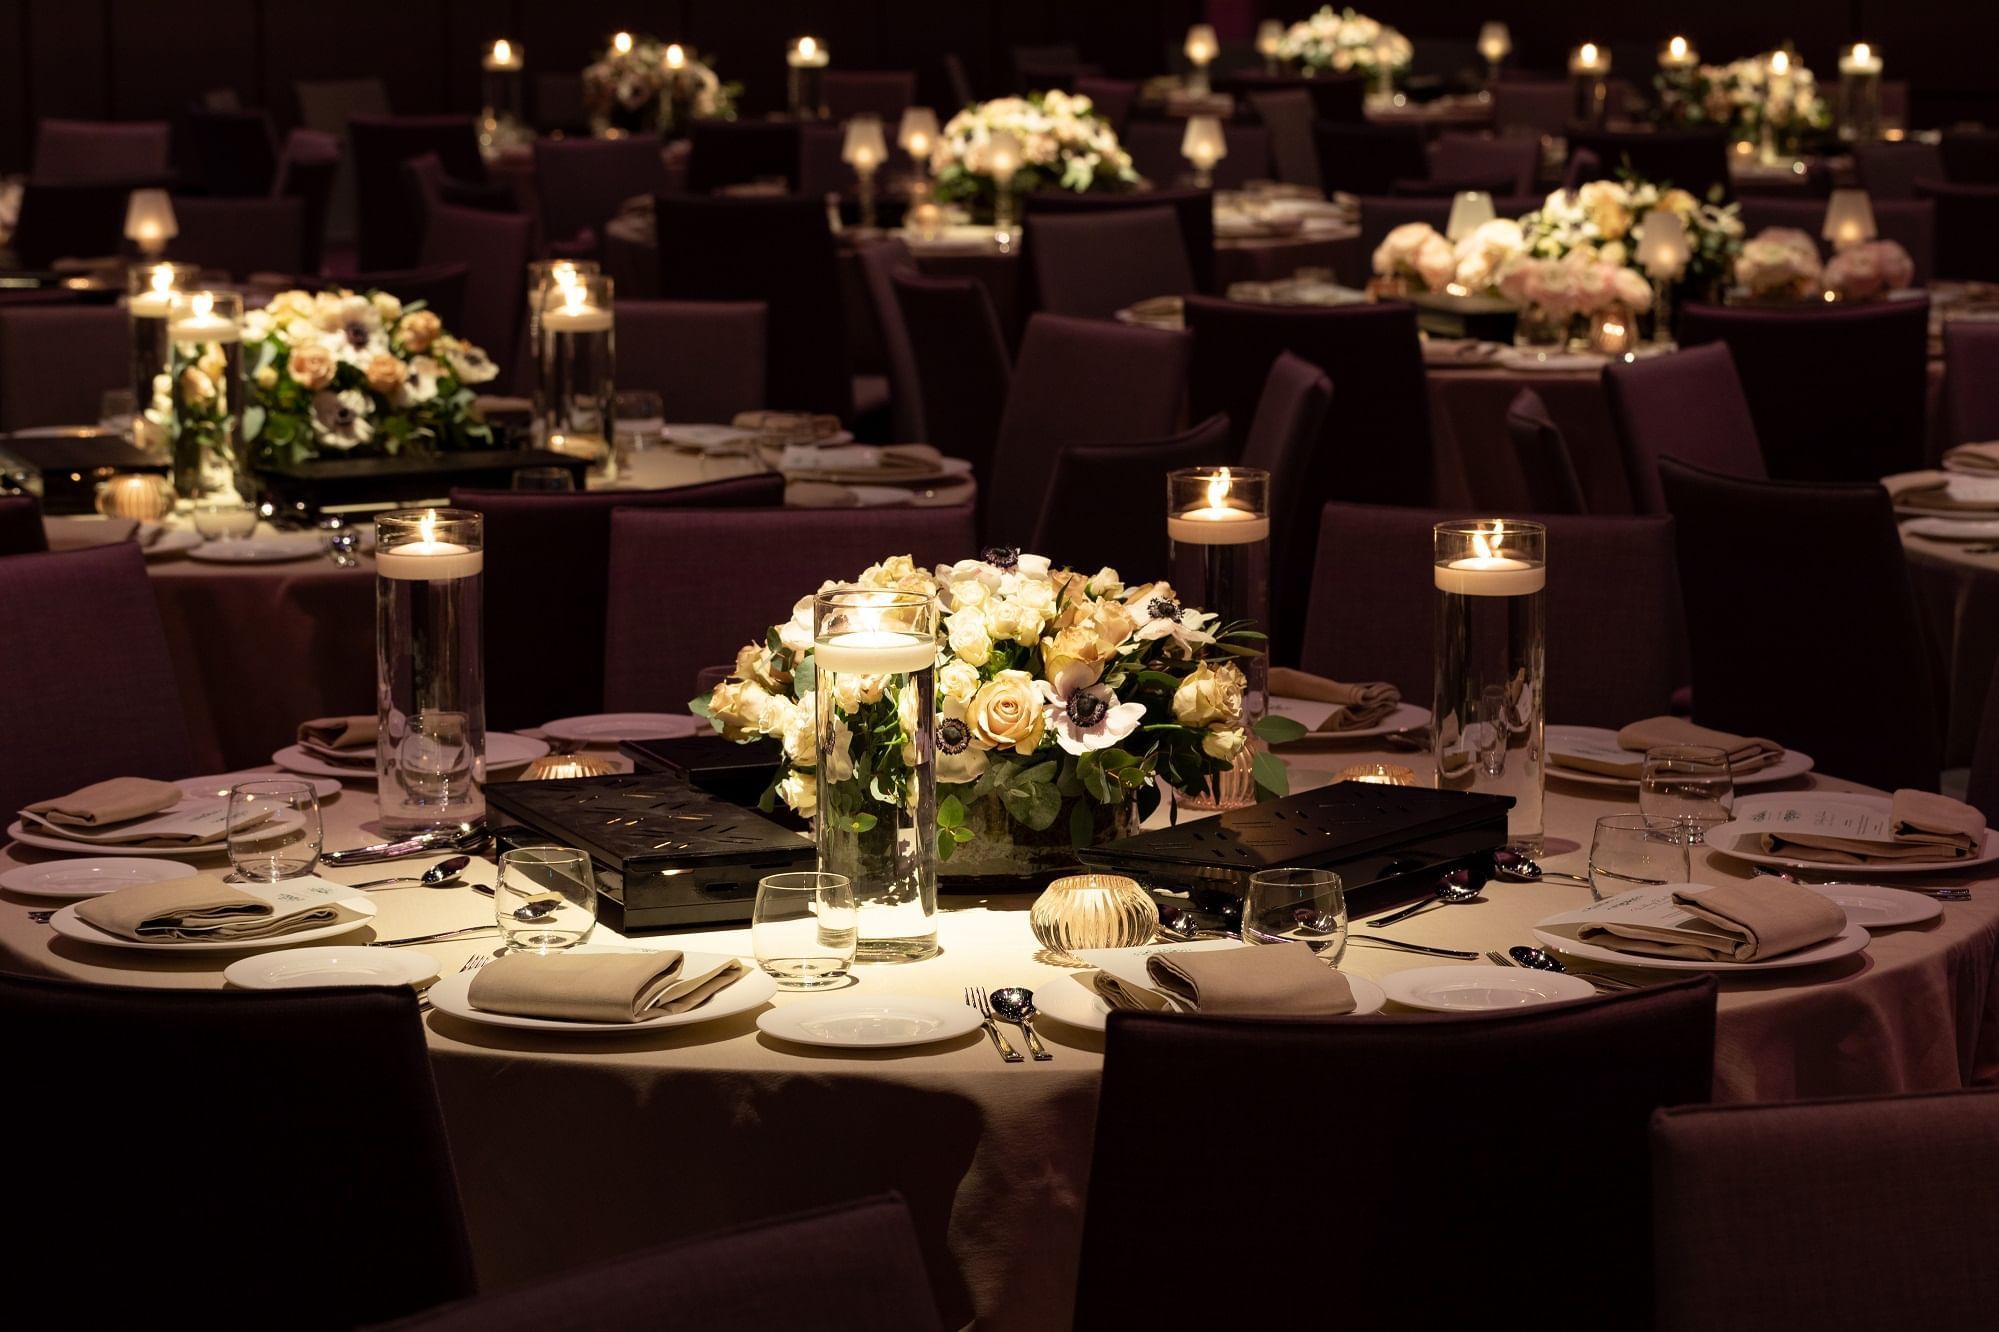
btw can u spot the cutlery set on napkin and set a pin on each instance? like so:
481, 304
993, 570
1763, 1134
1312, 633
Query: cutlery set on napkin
1745, 753
135, 812
205, 909
1917, 827
1732, 922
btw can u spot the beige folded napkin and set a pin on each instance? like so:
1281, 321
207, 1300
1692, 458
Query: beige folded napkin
1931, 490
347, 741
1273, 980
113, 801
1752, 921
790, 427
598, 987
1922, 826
1975, 457
1745, 753
1131, 998
204, 907
1355, 706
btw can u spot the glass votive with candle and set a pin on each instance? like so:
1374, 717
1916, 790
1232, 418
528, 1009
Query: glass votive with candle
1092, 911
1270, 45
1201, 47
1203, 145
864, 149
1003, 155
1218, 558
1662, 250
1849, 219
149, 221
917, 136
874, 658
1613, 331
1589, 83
577, 368
141, 496
205, 384
500, 81
150, 291
1677, 58
1470, 210
1377, 774
1859, 110
430, 670
546, 280
1486, 727
806, 60
1495, 43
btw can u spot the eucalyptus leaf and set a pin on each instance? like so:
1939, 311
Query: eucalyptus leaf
1033, 804
1280, 730
1082, 824
1269, 773
950, 812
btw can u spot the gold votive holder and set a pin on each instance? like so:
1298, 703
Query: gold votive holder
1380, 774
1093, 911
558, 767
137, 495
1613, 332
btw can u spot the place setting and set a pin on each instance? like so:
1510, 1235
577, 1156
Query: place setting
136, 816
1331, 711
344, 748
1599, 756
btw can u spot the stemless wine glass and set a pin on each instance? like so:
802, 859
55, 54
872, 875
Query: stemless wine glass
1307, 906
1631, 851
275, 829
544, 478
804, 929
1691, 785
546, 898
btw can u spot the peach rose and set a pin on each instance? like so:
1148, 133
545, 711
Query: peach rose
385, 374
421, 329
312, 366
1007, 713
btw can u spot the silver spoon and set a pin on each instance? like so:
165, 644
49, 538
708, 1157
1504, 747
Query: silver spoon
1536, 959
1017, 1006
532, 911
444, 871
1514, 867
1942, 894
1456, 889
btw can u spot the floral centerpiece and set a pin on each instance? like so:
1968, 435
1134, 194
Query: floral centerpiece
1343, 41
1780, 264
1869, 270
1604, 220
639, 87
1064, 144
1417, 254
1061, 697
1748, 100
341, 373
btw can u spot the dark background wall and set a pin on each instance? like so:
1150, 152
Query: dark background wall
135, 59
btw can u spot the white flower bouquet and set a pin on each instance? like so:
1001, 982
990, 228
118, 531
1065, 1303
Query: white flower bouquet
1416, 252
1061, 697
1343, 41
1064, 144
1869, 270
1604, 219
1576, 284
638, 89
1780, 264
1744, 98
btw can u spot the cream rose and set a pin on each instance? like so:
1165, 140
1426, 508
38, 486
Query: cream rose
739, 708
312, 366
970, 639
852, 690
1211, 695
800, 790
1007, 713
755, 662
956, 680
1224, 744
385, 374
1081, 645
419, 330
387, 306
196, 388
266, 377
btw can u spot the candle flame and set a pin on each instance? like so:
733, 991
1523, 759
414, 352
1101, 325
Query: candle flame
675, 57
1861, 52
1780, 63
503, 51
1678, 47
202, 303
622, 43
162, 278
1588, 53
1486, 544
426, 526
1218, 489
807, 47
573, 297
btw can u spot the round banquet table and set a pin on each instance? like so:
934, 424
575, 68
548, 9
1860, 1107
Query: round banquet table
1958, 591
646, 1139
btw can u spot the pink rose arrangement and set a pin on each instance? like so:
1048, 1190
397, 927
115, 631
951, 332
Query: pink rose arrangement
1780, 264
1873, 268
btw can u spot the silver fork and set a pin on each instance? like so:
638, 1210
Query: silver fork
1499, 959
39, 917
1946, 893
472, 963
975, 999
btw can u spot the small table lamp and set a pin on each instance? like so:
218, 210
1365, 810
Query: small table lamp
149, 221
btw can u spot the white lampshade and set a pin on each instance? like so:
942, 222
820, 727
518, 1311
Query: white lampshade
864, 148
1003, 154
1202, 44
1470, 209
1495, 41
1203, 144
1662, 244
149, 220
504, 55
1849, 219
917, 134
1269, 38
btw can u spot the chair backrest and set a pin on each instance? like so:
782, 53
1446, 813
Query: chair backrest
248, 1071
580, 183
102, 149
233, 153
1689, 406
1970, 381
1890, 170
1283, 435
1287, 114
1078, 381
1751, 1201
441, 287
1461, 157
495, 249
778, 251
1369, 159
240, 236
961, 361
1531, 108
1691, 160
547, 561
883, 92
1984, 788
1970, 156
664, 627
307, 172
1553, 1085
1091, 265
1910, 223
705, 359
1787, 357
1194, 208
84, 642
1967, 219
961, 86
74, 219
1154, 146
1740, 571
741, 152
1340, 98
880, 261
1080, 530
21, 530
56, 361
1614, 619
328, 104
1546, 469
1110, 98
380, 145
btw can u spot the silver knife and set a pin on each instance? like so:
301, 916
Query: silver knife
465, 839
1411, 948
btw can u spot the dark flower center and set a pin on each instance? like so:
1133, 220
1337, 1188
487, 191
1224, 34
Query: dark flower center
1162, 609
953, 735
1087, 709
357, 335
343, 416
1001, 557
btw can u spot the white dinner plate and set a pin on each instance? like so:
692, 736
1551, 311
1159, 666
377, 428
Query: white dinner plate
1480, 989
1603, 740
1954, 529
222, 783
1738, 839
282, 821
175, 541
303, 968
610, 727
504, 750
865, 1022
1074, 1001
259, 549
1877, 907
453, 995
90, 877
72, 926
1847, 942
1406, 717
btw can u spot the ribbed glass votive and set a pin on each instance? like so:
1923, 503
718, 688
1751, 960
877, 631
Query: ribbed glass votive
1093, 911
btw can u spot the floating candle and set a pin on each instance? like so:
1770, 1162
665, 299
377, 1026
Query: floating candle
428, 560
1488, 573
875, 652
1218, 522
201, 324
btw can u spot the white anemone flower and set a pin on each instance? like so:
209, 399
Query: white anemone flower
1085, 715
340, 420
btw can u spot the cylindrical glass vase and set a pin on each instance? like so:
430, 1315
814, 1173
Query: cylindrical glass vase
205, 372
547, 279
1491, 577
1859, 100
806, 85
430, 674
875, 680
578, 367
149, 298
1218, 552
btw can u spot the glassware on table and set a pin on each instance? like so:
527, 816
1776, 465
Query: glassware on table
1630, 851
546, 898
115, 409
283, 844
1691, 785
544, 479
224, 520
1307, 906
803, 928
